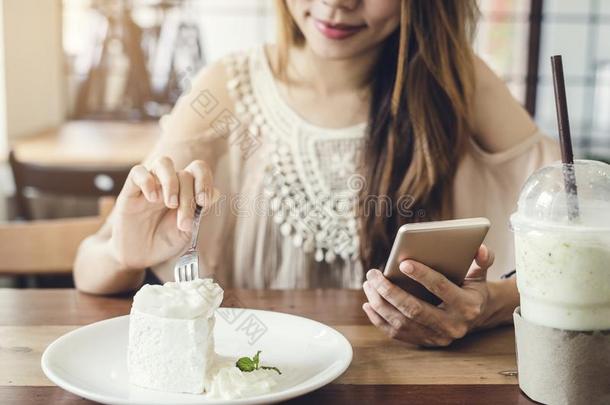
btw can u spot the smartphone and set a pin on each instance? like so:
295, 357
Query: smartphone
448, 247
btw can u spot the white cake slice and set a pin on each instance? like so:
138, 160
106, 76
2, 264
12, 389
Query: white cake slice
171, 335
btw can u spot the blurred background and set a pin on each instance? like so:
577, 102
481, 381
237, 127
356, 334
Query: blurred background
83, 83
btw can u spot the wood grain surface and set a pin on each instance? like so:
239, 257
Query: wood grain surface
89, 143
476, 370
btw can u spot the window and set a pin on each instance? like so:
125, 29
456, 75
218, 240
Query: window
502, 41
580, 31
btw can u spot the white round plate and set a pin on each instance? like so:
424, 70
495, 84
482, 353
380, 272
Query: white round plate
91, 361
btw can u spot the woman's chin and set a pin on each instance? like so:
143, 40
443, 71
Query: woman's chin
335, 49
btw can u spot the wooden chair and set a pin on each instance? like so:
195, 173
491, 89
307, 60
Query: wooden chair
46, 246
63, 181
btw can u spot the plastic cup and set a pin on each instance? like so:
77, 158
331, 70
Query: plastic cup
562, 263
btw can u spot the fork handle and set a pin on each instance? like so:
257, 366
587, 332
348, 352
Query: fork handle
196, 221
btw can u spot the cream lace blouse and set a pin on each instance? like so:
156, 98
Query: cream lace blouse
286, 218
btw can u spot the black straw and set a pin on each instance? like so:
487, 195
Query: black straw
565, 139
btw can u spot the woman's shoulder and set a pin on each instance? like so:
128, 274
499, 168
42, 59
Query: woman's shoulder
499, 121
502, 129
194, 112
213, 84
207, 100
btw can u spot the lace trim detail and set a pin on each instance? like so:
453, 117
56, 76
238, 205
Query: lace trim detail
312, 178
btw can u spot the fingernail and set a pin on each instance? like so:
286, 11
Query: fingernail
371, 274
406, 267
201, 199
173, 201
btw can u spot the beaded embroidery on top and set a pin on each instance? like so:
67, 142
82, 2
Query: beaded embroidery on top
311, 180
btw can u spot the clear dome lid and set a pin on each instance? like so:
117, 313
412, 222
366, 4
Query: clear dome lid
544, 200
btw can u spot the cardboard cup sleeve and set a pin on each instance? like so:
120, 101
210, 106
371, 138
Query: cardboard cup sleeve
562, 367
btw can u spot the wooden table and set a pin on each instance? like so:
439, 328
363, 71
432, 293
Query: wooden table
89, 143
476, 370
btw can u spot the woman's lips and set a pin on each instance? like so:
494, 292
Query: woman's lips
337, 31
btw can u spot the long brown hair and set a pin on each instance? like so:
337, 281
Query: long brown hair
421, 95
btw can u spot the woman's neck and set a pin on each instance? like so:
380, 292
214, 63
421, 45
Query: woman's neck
326, 93
330, 76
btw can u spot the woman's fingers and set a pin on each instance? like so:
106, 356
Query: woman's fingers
375, 318
184, 189
434, 281
141, 181
399, 324
391, 315
410, 332
378, 321
203, 182
482, 262
179, 191
411, 307
186, 207
166, 174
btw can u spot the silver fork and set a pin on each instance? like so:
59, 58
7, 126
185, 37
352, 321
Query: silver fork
187, 266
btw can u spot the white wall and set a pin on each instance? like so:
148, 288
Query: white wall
235, 25
31, 78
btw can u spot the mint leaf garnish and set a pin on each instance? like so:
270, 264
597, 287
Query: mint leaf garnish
247, 364
271, 368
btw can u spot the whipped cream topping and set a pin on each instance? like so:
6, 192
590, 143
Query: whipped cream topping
231, 383
186, 300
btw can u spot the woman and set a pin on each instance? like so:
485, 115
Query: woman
361, 101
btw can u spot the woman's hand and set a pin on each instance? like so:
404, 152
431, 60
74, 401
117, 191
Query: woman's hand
154, 212
407, 318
